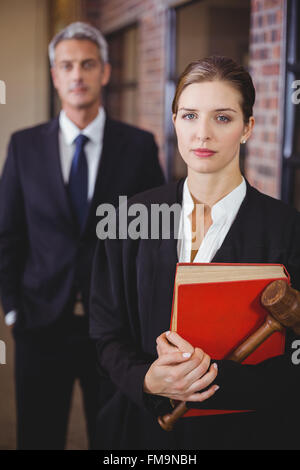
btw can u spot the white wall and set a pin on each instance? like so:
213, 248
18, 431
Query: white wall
23, 66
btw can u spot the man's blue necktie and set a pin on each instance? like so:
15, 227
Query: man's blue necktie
78, 181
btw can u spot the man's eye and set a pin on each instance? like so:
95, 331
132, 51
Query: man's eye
88, 65
189, 116
66, 66
222, 118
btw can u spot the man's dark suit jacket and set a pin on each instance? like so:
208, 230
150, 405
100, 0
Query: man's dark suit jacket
131, 302
44, 259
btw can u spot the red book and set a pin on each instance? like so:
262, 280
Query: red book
217, 306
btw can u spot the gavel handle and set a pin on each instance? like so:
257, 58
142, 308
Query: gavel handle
167, 421
238, 355
269, 327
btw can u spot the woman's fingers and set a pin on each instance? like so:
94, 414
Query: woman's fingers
163, 373
202, 396
170, 341
173, 358
185, 374
185, 367
163, 346
186, 383
181, 371
189, 361
204, 381
199, 370
194, 393
177, 374
176, 340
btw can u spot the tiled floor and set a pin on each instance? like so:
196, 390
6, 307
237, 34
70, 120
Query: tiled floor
76, 434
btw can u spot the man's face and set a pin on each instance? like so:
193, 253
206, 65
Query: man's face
78, 73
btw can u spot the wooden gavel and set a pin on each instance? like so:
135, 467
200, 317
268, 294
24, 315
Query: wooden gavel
283, 305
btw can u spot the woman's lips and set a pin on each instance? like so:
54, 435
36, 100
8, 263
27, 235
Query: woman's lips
203, 152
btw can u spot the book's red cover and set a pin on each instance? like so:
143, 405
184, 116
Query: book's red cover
217, 317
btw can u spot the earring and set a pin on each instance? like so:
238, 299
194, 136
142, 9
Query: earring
243, 141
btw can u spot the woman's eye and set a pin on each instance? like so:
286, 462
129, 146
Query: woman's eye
222, 118
189, 116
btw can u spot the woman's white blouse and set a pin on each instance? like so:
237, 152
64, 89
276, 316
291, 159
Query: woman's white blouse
223, 214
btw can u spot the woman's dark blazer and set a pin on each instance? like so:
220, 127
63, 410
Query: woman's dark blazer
131, 303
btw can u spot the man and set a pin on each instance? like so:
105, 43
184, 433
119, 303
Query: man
55, 176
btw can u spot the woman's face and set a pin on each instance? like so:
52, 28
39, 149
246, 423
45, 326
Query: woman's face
210, 127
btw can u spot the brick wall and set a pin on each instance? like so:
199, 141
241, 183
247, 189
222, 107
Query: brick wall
263, 161
267, 62
111, 15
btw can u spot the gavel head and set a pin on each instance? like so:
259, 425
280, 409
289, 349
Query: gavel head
283, 302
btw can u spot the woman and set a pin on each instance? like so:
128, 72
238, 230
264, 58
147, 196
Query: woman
133, 285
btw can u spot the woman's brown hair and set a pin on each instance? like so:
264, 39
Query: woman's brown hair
223, 69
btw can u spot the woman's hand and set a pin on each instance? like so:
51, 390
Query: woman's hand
180, 374
170, 342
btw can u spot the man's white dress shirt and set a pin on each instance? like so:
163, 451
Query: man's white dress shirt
68, 132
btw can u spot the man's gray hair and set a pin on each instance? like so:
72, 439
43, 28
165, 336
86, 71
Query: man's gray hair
79, 30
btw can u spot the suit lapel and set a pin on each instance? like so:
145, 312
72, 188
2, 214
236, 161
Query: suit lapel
53, 171
112, 141
231, 250
165, 260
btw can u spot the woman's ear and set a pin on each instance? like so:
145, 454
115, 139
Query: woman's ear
248, 130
